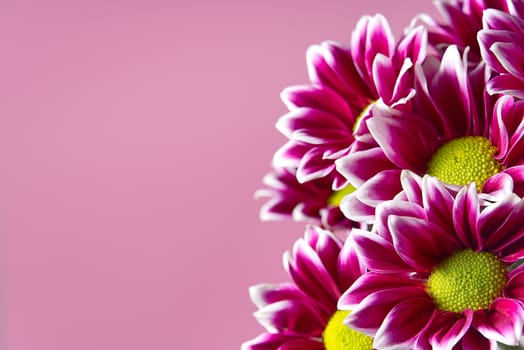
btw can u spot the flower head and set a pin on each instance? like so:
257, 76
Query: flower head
440, 270
303, 315
454, 132
324, 117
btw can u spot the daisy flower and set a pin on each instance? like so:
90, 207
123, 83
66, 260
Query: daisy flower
303, 315
502, 45
324, 116
452, 133
440, 270
312, 202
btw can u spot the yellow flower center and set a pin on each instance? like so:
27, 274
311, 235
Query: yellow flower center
465, 160
338, 336
467, 280
336, 197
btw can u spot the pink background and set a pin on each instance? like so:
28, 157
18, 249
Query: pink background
132, 137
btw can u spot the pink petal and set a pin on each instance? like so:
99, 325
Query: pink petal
398, 208
368, 316
451, 330
515, 285
299, 316
502, 322
403, 323
377, 253
265, 293
466, 210
372, 282
450, 91
420, 243
359, 167
407, 142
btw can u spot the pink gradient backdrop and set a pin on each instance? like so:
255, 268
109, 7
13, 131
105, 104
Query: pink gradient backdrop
132, 137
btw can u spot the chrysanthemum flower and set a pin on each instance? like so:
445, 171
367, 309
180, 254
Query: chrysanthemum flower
324, 116
462, 19
312, 202
303, 315
502, 45
452, 133
440, 270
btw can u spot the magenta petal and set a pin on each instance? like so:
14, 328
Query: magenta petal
373, 282
312, 166
466, 210
368, 316
451, 330
473, 340
384, 75
499, 185
377, 253
299, 316
289, 155
515, 285
517, 175
412, 186
360, 166
403, 323
499, 224
349, 265
414, 45
356, 210
310, 275
265, 293
398, 208
420, 243
506, 84
316, 97
502, 322
450, 91
511, 57
403, 142
438, 202
383, 186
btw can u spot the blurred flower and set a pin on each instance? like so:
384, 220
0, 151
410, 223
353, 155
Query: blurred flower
303, 315
502, 44
312, 202
462, 19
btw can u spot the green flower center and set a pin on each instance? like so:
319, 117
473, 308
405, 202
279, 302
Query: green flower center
338, 336
336, 197
465, 160
467, 280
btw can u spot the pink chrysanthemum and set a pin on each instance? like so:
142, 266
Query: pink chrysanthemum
502, 45
324, 117
440, 270
312, 202
452, 133
303, 315
462, 21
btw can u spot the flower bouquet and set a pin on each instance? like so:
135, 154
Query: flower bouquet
406, 159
